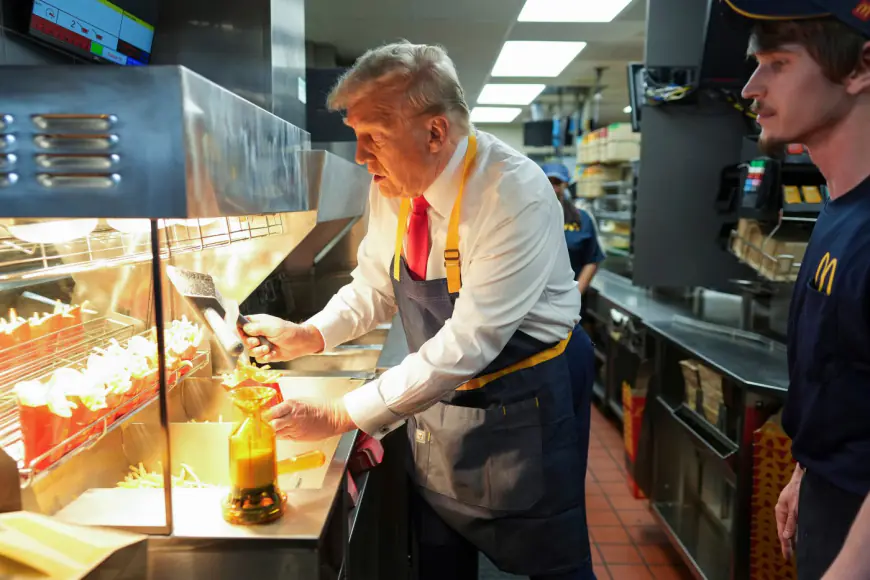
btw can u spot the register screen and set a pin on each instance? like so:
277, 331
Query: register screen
120, 31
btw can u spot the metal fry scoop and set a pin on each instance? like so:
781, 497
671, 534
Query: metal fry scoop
201, 291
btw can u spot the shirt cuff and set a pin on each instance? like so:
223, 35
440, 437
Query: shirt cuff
369, 412
335, 330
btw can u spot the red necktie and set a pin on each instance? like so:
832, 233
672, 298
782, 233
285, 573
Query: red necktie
417, 242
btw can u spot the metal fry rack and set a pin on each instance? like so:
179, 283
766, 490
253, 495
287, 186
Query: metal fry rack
92, 335
121, 242
65, 347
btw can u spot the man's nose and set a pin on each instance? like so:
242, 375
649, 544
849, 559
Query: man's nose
754, 89
362, 155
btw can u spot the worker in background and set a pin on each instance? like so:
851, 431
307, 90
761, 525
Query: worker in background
580, 232
812, 86
465, 241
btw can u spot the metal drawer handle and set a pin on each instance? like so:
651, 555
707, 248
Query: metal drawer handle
78, 181
67, 122
701, 437
76, 142
81, 161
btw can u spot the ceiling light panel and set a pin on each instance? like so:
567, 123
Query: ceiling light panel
507, 94
535, 58
494, 114
575, 11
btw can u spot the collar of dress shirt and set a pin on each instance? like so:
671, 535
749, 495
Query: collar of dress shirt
443, 191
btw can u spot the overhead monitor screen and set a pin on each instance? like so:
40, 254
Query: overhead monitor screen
120, 31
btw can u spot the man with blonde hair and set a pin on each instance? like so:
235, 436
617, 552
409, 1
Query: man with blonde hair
465, 241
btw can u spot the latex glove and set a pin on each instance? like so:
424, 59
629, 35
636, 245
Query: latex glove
309, 420
290, 340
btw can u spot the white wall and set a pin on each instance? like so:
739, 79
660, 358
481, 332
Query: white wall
512, 134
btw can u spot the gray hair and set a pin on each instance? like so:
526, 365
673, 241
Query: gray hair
423, 73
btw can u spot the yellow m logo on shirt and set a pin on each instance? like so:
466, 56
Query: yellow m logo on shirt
862, 11
825, 273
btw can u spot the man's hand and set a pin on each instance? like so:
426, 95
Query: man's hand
787, 513
309, 421
290, 340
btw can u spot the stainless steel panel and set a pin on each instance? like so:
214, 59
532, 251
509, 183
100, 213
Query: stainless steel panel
337, 188
255, 49
288, 59
343, 358
187, 147
226, 42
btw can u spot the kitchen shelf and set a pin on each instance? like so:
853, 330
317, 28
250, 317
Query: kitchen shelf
616, 216
616, 185
773, 268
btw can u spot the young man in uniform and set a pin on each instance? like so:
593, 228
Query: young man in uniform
812, 86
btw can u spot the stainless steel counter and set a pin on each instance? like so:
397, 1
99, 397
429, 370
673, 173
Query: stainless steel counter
753, 363
639, 302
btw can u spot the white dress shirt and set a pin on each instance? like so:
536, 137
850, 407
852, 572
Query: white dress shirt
515, 275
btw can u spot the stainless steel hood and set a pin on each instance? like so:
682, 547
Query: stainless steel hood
164, 142
157, 142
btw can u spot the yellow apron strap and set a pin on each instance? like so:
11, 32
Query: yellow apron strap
528, 363
451, 247
400, 236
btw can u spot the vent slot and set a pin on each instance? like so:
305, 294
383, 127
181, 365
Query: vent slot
81, 162
7, 142
8, 160
68, 122
76, 142
8, 179
78, 180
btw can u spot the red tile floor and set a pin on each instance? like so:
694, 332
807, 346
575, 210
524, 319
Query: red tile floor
627, 543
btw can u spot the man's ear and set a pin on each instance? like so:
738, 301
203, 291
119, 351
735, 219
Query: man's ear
859, 81
438, 130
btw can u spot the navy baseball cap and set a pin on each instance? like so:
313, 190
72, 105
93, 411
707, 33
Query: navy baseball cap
557, 171
853, 13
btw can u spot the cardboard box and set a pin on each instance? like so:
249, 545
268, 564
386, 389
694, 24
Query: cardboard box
703, 389
34, 546
772, 468
633, 405
621, 144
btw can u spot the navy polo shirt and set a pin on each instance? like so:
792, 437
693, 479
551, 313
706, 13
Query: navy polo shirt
582, 239
827, 413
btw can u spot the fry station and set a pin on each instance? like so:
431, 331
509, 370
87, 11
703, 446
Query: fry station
121, 402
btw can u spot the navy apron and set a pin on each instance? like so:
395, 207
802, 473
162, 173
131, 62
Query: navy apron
502, 459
